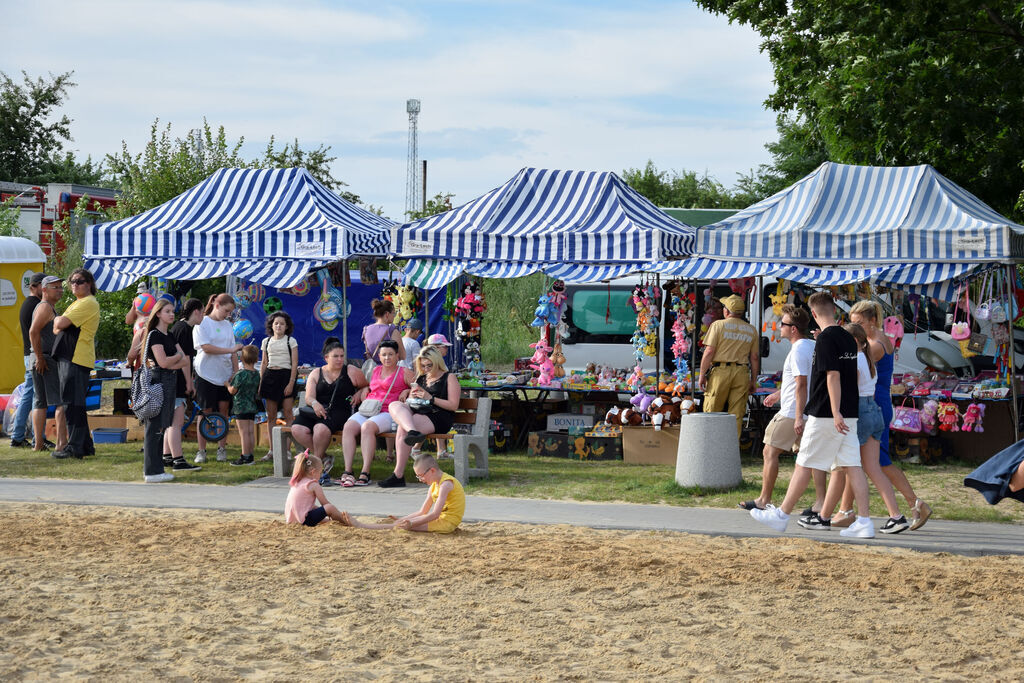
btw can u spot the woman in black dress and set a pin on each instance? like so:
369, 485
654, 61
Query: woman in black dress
329, 391
430, 409
165, 358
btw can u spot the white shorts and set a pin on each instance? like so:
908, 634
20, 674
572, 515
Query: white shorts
382, 420
822, 447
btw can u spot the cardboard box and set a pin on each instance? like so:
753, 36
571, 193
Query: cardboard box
561, 445
563, 422
647, 446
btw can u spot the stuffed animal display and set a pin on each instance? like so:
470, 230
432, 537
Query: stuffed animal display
973, 417
469, 309
541, 362
930, 417
949, 417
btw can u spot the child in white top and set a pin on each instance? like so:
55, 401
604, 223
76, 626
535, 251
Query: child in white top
306, 492
278, 370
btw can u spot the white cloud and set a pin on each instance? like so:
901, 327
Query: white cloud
603, 88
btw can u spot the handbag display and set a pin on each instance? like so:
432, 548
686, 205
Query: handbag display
370, 407
147, 398
906, 419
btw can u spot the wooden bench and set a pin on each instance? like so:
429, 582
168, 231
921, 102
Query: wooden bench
471, 411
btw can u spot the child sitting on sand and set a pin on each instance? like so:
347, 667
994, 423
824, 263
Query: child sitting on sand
442, 509
306, 491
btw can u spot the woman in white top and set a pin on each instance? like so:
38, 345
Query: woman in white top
870, 425
278, 370
216, 362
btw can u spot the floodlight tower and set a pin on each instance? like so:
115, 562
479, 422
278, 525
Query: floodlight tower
413, 197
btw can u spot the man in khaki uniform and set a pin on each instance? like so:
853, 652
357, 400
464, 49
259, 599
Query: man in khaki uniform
730, 363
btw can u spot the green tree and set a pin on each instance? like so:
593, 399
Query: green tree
680, 189
32, 137
439, 203
9, 219
798, 151
922, 81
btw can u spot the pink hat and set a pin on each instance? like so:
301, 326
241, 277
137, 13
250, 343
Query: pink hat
438, 340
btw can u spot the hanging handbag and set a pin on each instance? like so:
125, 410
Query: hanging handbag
961, 331
977, 344
371, 407
906, 419
984, 309
147, 398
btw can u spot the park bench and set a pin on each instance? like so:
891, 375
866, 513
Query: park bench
475, 412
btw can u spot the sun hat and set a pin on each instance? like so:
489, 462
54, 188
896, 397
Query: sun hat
438, 340
734, 303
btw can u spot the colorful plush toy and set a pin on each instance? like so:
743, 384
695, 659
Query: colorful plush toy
949, 416
929, 417
893, 328
973, 417
558, 359
541, 362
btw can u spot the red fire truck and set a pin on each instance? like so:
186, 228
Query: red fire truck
40, 206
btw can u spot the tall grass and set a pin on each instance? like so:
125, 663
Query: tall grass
506, 331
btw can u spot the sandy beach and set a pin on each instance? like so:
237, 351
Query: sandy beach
121, 594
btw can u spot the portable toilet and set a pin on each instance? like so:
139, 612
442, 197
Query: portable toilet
19, 258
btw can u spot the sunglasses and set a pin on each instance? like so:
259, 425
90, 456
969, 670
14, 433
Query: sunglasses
786, 325
79, 282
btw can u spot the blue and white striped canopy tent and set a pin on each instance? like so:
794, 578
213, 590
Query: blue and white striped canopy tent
268, 226
930, 279
545, 217
431, 274
862, 215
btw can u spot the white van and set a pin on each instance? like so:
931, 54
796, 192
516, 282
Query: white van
601, 323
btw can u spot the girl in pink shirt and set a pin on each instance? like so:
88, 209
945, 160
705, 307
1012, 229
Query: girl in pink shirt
306, 492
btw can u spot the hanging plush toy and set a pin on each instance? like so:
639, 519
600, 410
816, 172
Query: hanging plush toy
469, 310
474, 360
541, 362
558, 359
558, 300
893, 328
973, 417
405, 302
949, 416
929, 417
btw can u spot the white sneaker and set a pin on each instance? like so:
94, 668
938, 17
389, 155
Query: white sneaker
862, 527
222, 454
158, 478
200, 457
771, 516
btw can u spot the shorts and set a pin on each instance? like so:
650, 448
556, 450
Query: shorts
315, 516
180, 403
334, 422
244, 416
442, 525
382, 420
780, 434
46, 387
273, 384
870, 424
210, 395
822, 447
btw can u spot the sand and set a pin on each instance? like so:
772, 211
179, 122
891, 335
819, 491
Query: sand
113, 593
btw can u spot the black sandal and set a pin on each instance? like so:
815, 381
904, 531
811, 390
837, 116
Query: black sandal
749, 505
363, 480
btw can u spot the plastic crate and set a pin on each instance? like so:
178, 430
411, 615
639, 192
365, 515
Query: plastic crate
109, 435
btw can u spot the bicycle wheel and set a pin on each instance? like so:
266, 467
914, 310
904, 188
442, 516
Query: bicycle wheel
213, 427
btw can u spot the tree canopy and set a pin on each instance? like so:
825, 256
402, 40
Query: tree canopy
921, 81
32, 137
685, 189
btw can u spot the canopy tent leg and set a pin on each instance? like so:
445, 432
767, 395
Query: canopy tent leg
657, 334
698, 315
344, 307
1011, 288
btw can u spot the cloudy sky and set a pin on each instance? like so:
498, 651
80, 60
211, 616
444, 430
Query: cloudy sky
548, 83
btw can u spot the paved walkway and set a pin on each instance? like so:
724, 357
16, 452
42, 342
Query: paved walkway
268, 495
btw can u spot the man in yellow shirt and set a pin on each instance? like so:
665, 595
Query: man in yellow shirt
730, 363
82, 317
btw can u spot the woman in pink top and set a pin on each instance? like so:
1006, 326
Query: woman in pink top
389, 382
306, 492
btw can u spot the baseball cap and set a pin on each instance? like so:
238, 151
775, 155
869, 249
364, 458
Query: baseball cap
734, 303
439, 340
414, 324
143, 287
36, 279
50, 279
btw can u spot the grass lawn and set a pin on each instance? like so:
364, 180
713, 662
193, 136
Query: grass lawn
520, 476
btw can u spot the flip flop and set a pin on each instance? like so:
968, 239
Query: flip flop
749, 505
363, 480
347, 480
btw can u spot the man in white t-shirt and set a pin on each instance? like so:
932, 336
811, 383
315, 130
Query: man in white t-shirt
411, 341
783, 432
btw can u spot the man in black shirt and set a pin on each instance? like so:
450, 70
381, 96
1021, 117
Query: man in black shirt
830, 433
18, 440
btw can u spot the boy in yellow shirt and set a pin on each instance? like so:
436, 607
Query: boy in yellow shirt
442, 510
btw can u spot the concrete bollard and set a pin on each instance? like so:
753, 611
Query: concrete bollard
709, 451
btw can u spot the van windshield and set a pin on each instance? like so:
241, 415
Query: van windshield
590, 321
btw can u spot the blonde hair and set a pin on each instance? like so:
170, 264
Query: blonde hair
154, 315
871, 310
304, 464
429, 353
862, 342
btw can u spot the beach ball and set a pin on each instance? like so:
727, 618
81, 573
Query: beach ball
243, 330
272, 304
257, 292
144, 303
242, 299
301, 289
